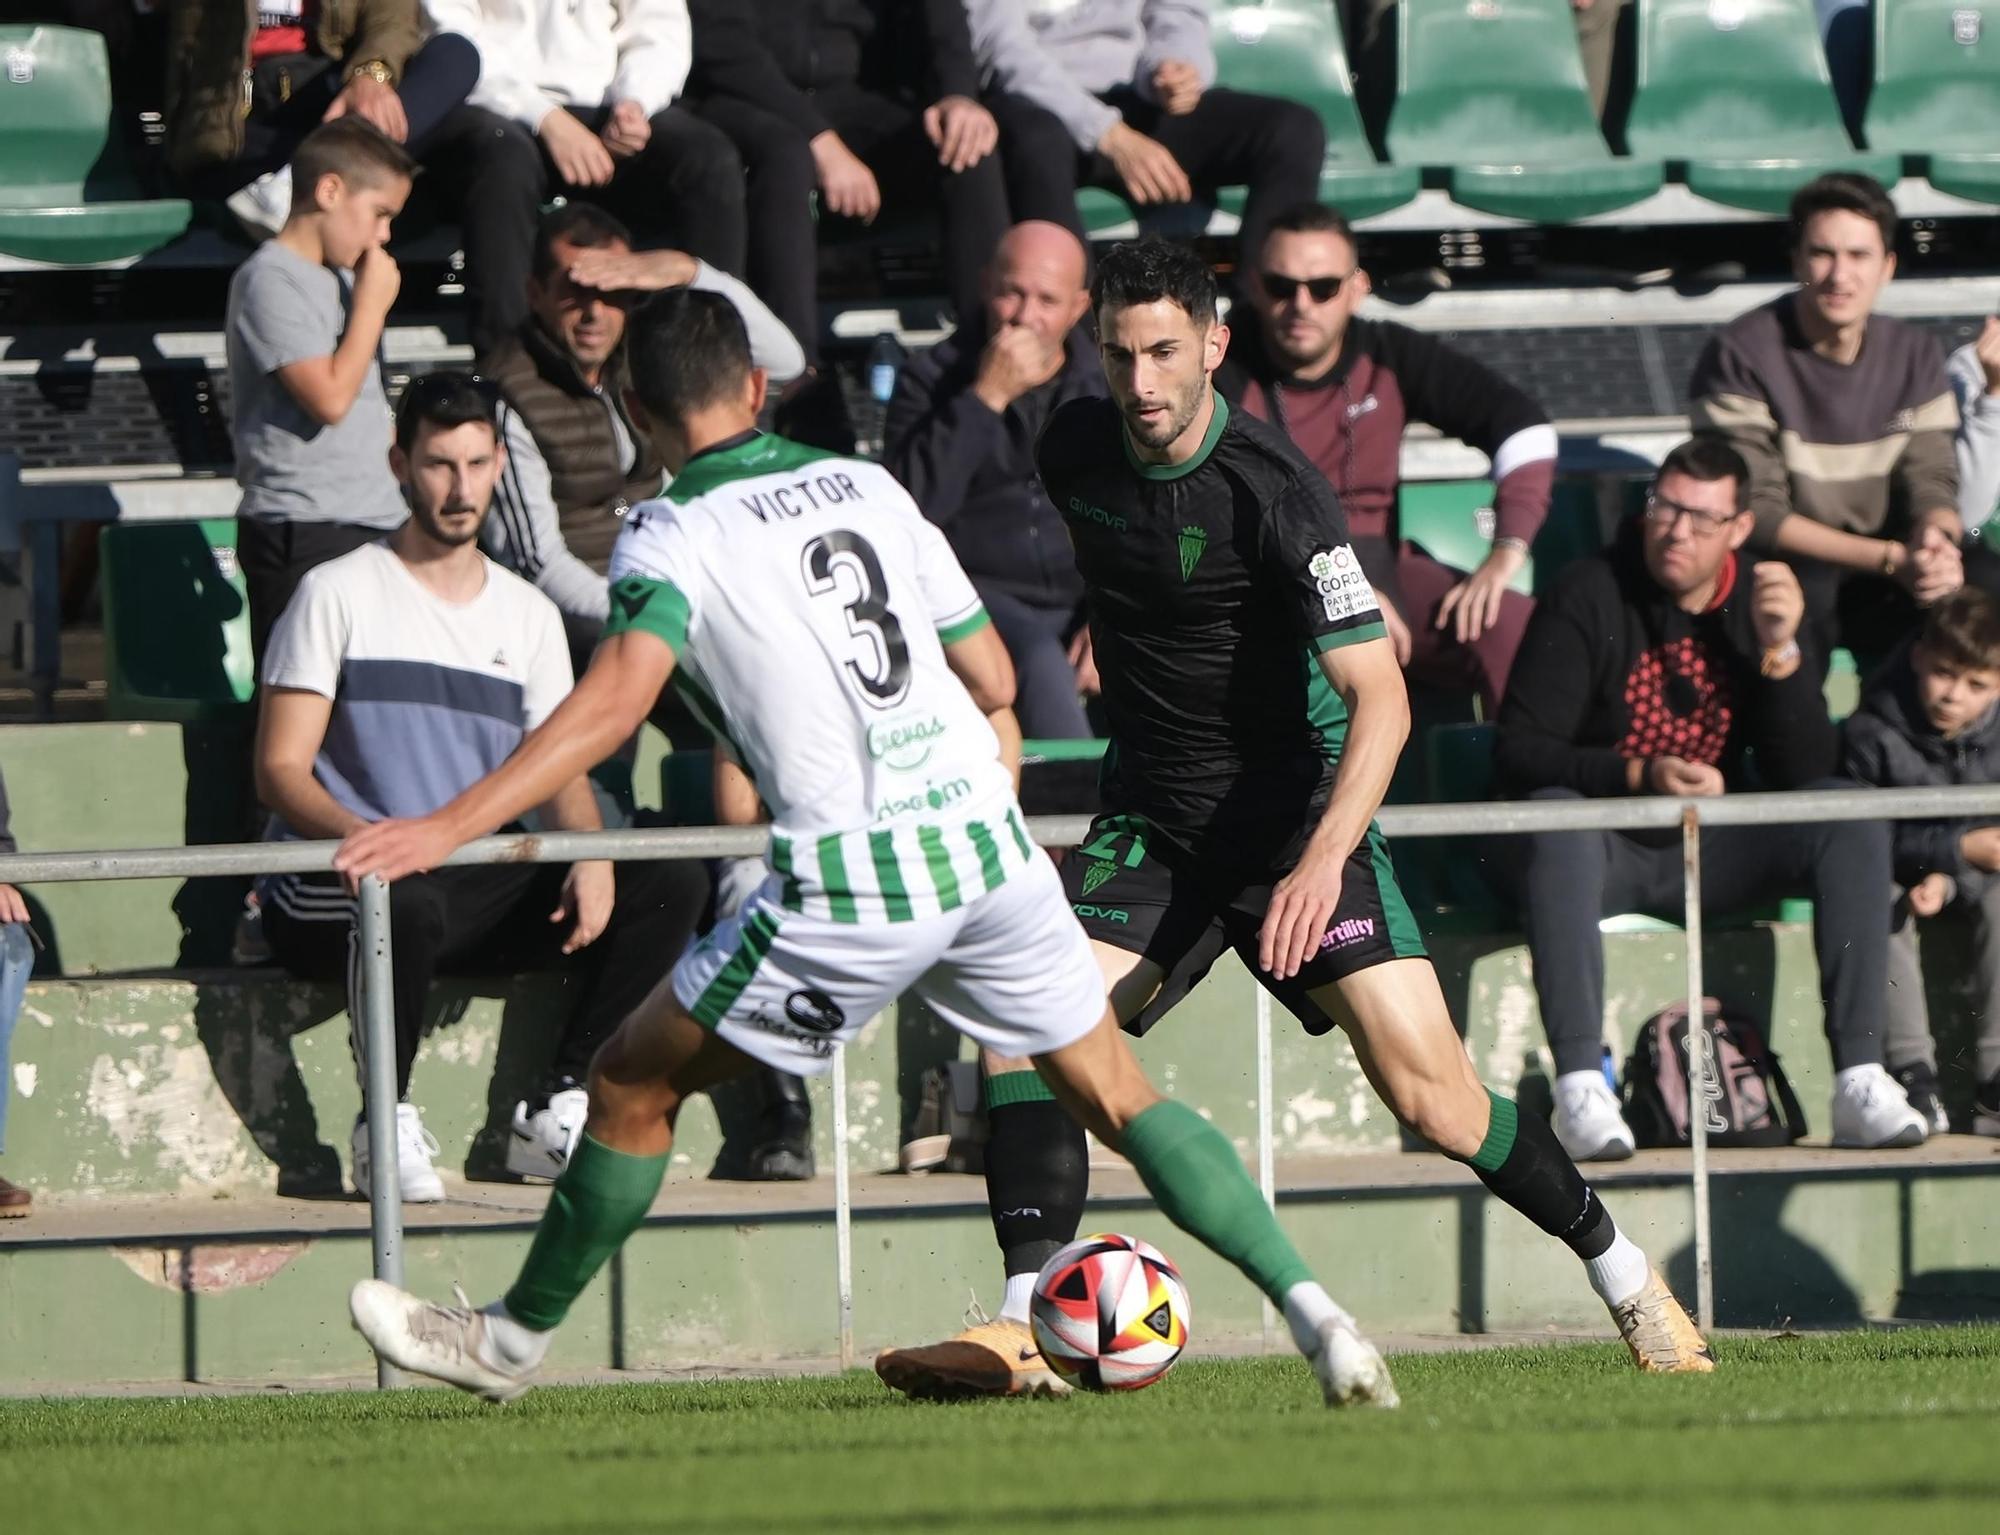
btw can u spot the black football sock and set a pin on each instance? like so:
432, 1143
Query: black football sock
1523, 1163
1037, 1173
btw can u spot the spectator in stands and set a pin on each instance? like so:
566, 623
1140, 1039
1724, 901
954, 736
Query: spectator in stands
309, 417
1974, 370
401, 674
17, 960
1932, 717
872, 103
575, 465
247, 82
1343, 388
576, 98
1122, 94
1668, 665
1846, 419
961, 435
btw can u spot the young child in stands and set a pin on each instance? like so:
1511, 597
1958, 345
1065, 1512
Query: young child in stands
1931, 716
310, 418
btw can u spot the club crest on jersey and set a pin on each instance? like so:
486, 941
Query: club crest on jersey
1343, 589
1096, 874
1193, 542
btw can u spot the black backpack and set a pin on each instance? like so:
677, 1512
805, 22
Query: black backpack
1749, 1101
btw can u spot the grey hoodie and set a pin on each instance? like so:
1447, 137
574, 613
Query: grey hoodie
1889, 743
1063, 54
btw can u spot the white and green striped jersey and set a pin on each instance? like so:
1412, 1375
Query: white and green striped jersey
808, 604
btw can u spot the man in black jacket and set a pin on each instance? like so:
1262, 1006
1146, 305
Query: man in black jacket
1343, 388
871, 103
1931, 717
961, 435
1667, 667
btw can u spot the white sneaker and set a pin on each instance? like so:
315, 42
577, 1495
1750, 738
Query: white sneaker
1351, 1373
1588, 1121
263, 206
541, 1144
446, 1343
1871, 1112
416, 1174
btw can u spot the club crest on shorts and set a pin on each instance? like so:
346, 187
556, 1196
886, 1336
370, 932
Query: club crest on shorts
815, 1010
1096, 874
1193, 542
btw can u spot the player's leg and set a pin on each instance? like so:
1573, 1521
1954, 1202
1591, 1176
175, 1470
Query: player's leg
1021, 976
1396, 1017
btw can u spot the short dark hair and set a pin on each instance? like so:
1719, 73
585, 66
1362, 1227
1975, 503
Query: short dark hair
1311, 218
442, 400
1146, 271
686, 349
1844, 192
1963, 630
584, 225
353, 149
1708, 457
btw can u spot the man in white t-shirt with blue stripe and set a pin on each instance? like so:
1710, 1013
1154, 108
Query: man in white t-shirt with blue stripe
400, 675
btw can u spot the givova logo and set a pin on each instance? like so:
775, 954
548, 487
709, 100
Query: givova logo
1083, 511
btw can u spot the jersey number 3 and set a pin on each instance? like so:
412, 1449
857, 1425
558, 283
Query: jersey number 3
843, 562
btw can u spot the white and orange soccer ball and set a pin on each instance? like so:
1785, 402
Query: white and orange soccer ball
1110, 1313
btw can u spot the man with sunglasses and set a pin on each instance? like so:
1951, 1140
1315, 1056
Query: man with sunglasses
402, 673
1672, 665
1343, 388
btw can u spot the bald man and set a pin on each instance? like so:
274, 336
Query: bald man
961, 435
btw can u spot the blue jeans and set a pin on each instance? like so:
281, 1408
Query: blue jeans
17, 959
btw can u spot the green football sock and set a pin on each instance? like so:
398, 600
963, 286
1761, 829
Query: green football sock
598, 1202
1196, 1178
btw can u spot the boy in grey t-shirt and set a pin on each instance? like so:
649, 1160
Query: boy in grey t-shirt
310, 419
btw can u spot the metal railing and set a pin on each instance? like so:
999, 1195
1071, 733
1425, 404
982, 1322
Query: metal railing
377, 1022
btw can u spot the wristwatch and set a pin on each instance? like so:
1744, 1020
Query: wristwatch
1777, 659
376, 70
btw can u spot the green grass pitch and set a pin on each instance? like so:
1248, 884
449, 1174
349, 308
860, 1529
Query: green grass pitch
1812, 1434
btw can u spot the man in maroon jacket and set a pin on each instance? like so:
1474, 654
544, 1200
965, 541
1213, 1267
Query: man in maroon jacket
1344, 388
1670, 665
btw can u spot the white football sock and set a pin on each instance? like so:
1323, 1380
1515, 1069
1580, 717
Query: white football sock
517, 1347
1619, 1272
1020, 1293
1307, 1308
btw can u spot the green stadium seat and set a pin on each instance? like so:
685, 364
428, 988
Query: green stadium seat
1937, 93
1293, 49
66, 195
1739, 95
1491, 98
176, 621
1574, 530
1452, 521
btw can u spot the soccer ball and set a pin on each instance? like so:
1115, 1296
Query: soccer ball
1110, 1313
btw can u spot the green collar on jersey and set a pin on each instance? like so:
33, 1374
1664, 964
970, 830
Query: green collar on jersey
1218, 419
752, 454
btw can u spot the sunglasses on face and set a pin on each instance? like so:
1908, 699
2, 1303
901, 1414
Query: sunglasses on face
1280, 289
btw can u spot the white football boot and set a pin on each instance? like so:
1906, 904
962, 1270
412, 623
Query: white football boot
1351, 1373
447, 1343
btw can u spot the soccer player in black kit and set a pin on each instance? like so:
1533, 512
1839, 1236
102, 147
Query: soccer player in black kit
1256, 713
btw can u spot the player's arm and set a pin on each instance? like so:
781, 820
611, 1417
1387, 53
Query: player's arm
601, 712
291, 727
737, 802
980, 661
1370, 683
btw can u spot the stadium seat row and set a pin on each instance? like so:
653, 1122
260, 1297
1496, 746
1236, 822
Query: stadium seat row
1733, 99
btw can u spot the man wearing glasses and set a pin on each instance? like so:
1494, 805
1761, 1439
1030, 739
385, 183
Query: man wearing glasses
1671, 665
400, 674
1343, 388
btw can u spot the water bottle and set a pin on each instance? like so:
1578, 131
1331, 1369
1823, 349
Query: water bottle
885, 362
1610, 1065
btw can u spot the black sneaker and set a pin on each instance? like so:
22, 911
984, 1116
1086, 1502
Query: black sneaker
1920, 1085
1986, 1108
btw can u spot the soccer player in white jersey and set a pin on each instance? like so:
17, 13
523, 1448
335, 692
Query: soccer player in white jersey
823, 627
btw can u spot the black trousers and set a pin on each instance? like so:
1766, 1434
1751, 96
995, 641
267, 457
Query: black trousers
1564, 882
1037, 638
684, 190
1231, 138
275, 556
291, 94
888, 136
495, 921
